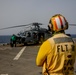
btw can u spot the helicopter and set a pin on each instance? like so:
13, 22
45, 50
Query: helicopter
36, 34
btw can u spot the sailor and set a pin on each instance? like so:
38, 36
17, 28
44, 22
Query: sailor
57, 54
13, 40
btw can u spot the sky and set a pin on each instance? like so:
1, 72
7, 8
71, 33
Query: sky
21, 12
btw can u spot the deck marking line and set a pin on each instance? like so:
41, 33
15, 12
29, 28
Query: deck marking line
3, 74
19, 54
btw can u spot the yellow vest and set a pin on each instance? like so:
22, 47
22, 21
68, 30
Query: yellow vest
57, 55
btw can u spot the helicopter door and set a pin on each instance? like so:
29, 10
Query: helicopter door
28, 34
41, 37
28, 37
34, 35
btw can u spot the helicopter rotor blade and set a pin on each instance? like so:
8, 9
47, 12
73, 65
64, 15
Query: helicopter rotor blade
72, 24
35, 23
15, 26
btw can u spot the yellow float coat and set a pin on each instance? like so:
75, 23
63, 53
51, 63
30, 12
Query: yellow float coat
57, 55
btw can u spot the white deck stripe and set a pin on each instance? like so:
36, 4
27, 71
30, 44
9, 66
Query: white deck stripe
19, 54
3, 74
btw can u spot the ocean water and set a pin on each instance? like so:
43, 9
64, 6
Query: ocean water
6, 38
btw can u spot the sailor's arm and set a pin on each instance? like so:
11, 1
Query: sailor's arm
42, 54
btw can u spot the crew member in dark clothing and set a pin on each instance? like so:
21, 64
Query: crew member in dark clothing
13, 40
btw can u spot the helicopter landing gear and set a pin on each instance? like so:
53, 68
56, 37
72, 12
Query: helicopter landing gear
25, 44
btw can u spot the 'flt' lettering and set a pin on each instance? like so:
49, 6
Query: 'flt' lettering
63, 48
